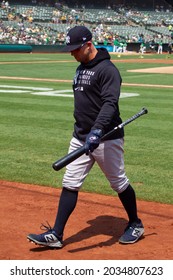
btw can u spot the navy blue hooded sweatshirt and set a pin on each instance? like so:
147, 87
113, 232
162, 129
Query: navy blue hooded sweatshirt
96, 87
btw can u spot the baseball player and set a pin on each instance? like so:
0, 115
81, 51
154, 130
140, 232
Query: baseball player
96, 87
142, 49
160, 47
170, 46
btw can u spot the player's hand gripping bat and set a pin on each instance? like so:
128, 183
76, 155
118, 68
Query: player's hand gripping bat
59, 164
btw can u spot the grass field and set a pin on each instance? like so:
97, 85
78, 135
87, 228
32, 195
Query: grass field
36, 128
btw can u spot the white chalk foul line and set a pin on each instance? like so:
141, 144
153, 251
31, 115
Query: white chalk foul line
48, 91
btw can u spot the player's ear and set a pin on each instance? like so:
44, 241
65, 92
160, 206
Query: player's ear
89, 44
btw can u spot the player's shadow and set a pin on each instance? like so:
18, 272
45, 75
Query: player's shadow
101, 226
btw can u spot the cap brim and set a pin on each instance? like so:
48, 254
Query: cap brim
70, 48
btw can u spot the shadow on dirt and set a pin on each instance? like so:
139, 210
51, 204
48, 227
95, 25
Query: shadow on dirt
109, 226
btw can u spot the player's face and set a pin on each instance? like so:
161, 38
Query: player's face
82, 54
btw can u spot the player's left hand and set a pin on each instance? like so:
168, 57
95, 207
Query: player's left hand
93, 140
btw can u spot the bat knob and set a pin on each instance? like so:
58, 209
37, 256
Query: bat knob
145, 110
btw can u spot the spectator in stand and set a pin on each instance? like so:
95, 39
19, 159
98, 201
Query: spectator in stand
170, 28
7, 6
3, 4
76, 18
172, 35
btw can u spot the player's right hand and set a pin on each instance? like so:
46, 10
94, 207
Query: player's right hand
92, 140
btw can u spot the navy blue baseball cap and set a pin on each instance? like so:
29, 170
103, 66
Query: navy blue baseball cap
76, 38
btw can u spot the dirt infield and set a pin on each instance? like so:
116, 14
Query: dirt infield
92, 231
157, 70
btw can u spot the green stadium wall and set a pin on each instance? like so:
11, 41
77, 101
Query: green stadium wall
7, 48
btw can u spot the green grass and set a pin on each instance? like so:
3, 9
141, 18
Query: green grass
36, 130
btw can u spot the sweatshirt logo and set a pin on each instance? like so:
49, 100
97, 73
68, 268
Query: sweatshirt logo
67, 40
78, 88
83, 77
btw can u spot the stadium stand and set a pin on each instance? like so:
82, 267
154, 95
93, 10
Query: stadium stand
47, 22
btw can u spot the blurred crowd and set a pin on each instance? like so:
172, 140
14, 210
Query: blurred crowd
25, 27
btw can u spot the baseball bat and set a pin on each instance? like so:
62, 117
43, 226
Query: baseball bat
62, 162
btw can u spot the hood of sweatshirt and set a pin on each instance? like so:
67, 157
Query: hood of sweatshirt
102, 54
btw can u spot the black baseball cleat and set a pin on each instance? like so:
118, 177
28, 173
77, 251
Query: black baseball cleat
132, 233
48, 238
